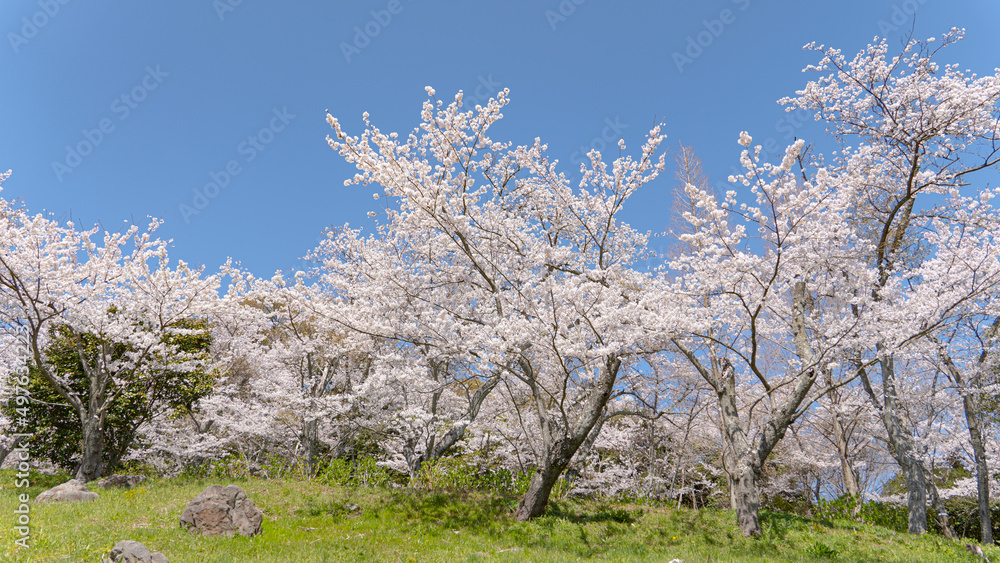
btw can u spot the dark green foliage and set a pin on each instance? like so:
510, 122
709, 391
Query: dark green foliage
55, 426
793, 502
963, 515
885, 514
963, 512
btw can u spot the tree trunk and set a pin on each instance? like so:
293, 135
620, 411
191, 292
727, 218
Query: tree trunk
731, 484
916, 495
92, 450
842, 440
973, 419
559, 452
575, 469
851, 487
728, 464
746, 493
537, 496
436, 448
310, 444
749, 456
983, 486
939, 508
744, 489
5, 451
901, 444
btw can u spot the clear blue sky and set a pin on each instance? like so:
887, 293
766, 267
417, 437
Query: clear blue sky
186, 89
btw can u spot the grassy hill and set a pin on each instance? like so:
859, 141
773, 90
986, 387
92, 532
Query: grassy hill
309, 522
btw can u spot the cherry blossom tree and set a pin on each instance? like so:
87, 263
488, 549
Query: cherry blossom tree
494, 259
920, 133
763, 277
122, 291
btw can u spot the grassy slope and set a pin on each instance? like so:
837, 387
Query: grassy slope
305, 521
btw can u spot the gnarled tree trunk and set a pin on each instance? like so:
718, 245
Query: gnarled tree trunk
536, 498
749, 455
559, 451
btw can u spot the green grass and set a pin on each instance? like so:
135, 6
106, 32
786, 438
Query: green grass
308, 522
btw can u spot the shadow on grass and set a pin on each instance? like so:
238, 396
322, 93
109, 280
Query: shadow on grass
778, 524
599, 515
453, 509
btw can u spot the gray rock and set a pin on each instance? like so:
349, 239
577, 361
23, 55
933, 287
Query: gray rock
222, 510
121, 481
70, 491
129, 551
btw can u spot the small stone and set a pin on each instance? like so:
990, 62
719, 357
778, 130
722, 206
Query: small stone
129, 551
70, 491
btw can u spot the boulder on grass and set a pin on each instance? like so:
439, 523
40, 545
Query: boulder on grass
129, 551
70, 491
121, 481
222, 510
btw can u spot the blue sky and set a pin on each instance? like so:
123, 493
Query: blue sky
121, 110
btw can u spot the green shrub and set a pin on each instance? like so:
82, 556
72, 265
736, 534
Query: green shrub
887, 515
792, 502
841, 508
458, 473
361, 471
963, 515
